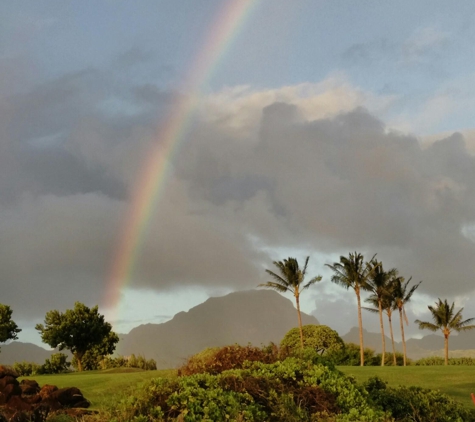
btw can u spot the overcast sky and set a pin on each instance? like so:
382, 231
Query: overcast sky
325, 127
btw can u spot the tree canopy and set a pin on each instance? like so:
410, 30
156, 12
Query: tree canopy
320, 338
77, 330
8, 328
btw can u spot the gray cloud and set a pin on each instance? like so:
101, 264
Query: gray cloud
71, 153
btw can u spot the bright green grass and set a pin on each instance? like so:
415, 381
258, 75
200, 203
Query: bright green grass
456, 381
103, 387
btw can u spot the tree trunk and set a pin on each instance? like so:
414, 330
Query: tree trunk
383, 356
402, 335
297, 300
392, 338
360, 323
78, 358
446, 338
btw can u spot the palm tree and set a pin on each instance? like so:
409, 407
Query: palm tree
401, 296
354, 272
379, 284
387, 305
447, 321
291, 279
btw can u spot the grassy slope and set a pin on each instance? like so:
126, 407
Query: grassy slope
99, 387
456, 381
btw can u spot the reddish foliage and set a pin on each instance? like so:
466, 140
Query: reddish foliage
230, 357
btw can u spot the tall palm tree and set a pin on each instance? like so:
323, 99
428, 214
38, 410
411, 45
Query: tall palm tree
379, 285
446, 320
401, 296
387, 305
291, 279
354, 272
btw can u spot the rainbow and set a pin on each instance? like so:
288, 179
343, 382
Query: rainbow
151, 183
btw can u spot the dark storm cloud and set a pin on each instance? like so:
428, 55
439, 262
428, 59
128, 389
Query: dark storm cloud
71, 151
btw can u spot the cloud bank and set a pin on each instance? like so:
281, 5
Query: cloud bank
308, 167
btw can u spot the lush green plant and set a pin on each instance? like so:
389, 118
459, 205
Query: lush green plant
321, 338
57, 364
25, 369
290, 390
416, 404
349, 355
78, 330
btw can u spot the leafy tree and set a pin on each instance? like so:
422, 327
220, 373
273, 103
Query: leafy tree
291, 279
354, 272
320, 338
95, 355
77, 330
401, 295
379, 285
8, 328
446, 320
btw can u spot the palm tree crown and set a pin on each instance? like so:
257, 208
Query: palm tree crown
447, 320
291, 279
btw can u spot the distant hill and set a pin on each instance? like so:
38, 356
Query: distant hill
18, 351
255, 316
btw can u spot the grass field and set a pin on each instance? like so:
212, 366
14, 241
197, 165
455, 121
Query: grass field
100, 387
456, 381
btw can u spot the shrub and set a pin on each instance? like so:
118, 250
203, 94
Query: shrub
437, 360
289, 390
415, 403
57, 364
321, 338
349, 355
217, 360
25, 369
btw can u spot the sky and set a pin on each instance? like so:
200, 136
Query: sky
318, 128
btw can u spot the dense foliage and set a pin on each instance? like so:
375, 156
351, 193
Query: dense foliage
216, 360
8, 328
416, 404
320, 338
289, 390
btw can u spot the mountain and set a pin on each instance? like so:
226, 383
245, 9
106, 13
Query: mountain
18, 351
253, 316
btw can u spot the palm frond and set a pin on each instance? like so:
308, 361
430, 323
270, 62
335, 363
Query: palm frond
312, 281
423, 325
275, 286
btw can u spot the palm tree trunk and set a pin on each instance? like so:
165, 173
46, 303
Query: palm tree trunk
360, 323
383, 356
297, 301
392, 338
402, 335
446, 338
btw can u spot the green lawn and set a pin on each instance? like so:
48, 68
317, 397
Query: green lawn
99, 387
456, 381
